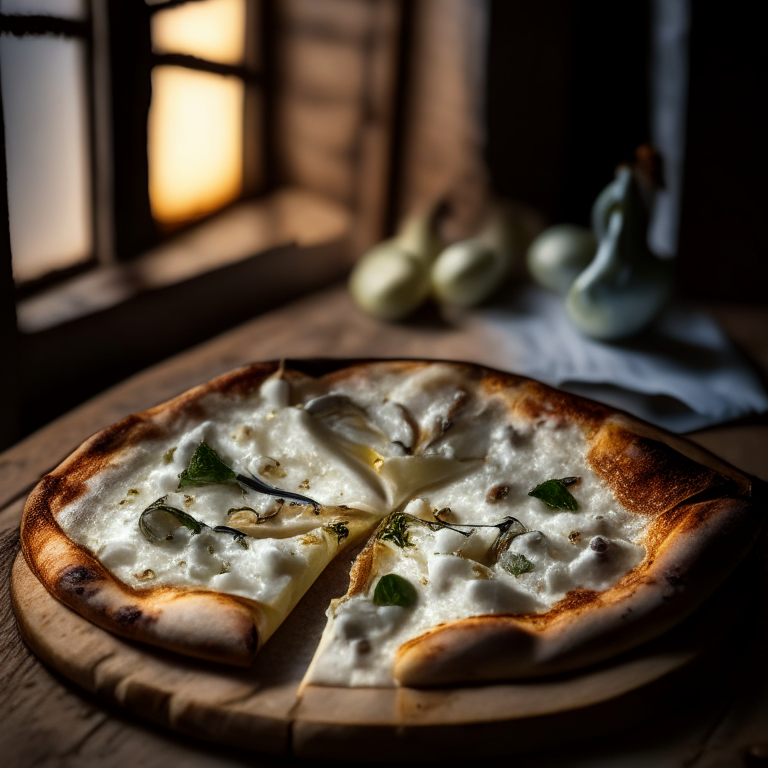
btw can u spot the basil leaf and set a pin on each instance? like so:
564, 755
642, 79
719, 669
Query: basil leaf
394, 590
516, 564
339, 529
205, 468
180, 517
555, 494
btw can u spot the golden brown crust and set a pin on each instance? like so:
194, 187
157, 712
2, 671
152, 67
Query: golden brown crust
203, 624
681, 571
646, 475
704, 522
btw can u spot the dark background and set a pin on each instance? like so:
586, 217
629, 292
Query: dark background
568, 100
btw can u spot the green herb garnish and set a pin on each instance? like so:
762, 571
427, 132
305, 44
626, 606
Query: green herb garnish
158, 510
555, 494
516, 564
339, 529
205, 468
168, 455
394, 590
395, 529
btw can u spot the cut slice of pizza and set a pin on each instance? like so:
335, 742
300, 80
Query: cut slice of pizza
584, 533
198, 525
147, 531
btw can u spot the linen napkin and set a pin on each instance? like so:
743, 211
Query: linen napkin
683, 374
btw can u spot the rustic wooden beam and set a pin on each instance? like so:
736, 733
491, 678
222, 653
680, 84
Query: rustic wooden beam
253, 106
131, 88
270, 83
374, 167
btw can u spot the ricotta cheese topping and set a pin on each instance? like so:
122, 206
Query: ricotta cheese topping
422, 442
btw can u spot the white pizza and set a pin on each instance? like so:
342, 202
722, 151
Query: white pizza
510, 530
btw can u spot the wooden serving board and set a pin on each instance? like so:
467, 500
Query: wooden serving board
258, 708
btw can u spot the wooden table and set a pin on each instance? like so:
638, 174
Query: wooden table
45, 721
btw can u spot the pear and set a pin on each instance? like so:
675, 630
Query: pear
559, 254
391, 280
468, 272
626, 285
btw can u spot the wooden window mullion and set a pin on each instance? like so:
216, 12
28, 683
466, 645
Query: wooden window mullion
130, 47
269, 32
253, 108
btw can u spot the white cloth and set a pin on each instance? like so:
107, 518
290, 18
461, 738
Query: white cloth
683, 374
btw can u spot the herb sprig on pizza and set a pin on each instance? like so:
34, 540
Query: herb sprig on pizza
512, 530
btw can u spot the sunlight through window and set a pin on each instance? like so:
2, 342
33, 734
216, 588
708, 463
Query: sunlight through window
46, 133
212, 30
195, 143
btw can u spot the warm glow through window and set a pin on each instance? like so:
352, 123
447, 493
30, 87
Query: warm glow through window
46, 133
195, 143
212, 30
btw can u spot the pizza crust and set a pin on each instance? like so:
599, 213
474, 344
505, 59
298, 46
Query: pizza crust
704, 523
205, 625
588, 627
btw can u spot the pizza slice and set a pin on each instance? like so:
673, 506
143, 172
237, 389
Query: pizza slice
582, 534
514, 530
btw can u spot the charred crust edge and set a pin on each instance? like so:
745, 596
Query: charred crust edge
67, 482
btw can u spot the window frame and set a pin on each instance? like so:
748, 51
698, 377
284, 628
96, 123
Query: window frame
128, 25
106, 330
36, 25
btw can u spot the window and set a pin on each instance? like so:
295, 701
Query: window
47, 108
233, 170
187, 152
205, 108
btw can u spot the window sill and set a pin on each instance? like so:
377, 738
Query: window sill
98, 328
241, 236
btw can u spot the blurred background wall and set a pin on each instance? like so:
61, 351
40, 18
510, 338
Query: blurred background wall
175, 167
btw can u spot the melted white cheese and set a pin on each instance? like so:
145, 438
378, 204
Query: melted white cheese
262, 435
451, 573
456, 461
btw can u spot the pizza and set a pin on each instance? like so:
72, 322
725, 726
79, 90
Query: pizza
508, 530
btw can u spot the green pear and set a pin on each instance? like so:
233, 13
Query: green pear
626, 285
391, 280
559, 254
468, 272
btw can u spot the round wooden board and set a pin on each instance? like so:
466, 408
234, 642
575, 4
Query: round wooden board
258, 708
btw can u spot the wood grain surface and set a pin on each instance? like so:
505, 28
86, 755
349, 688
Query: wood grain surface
259, 709
45, 720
